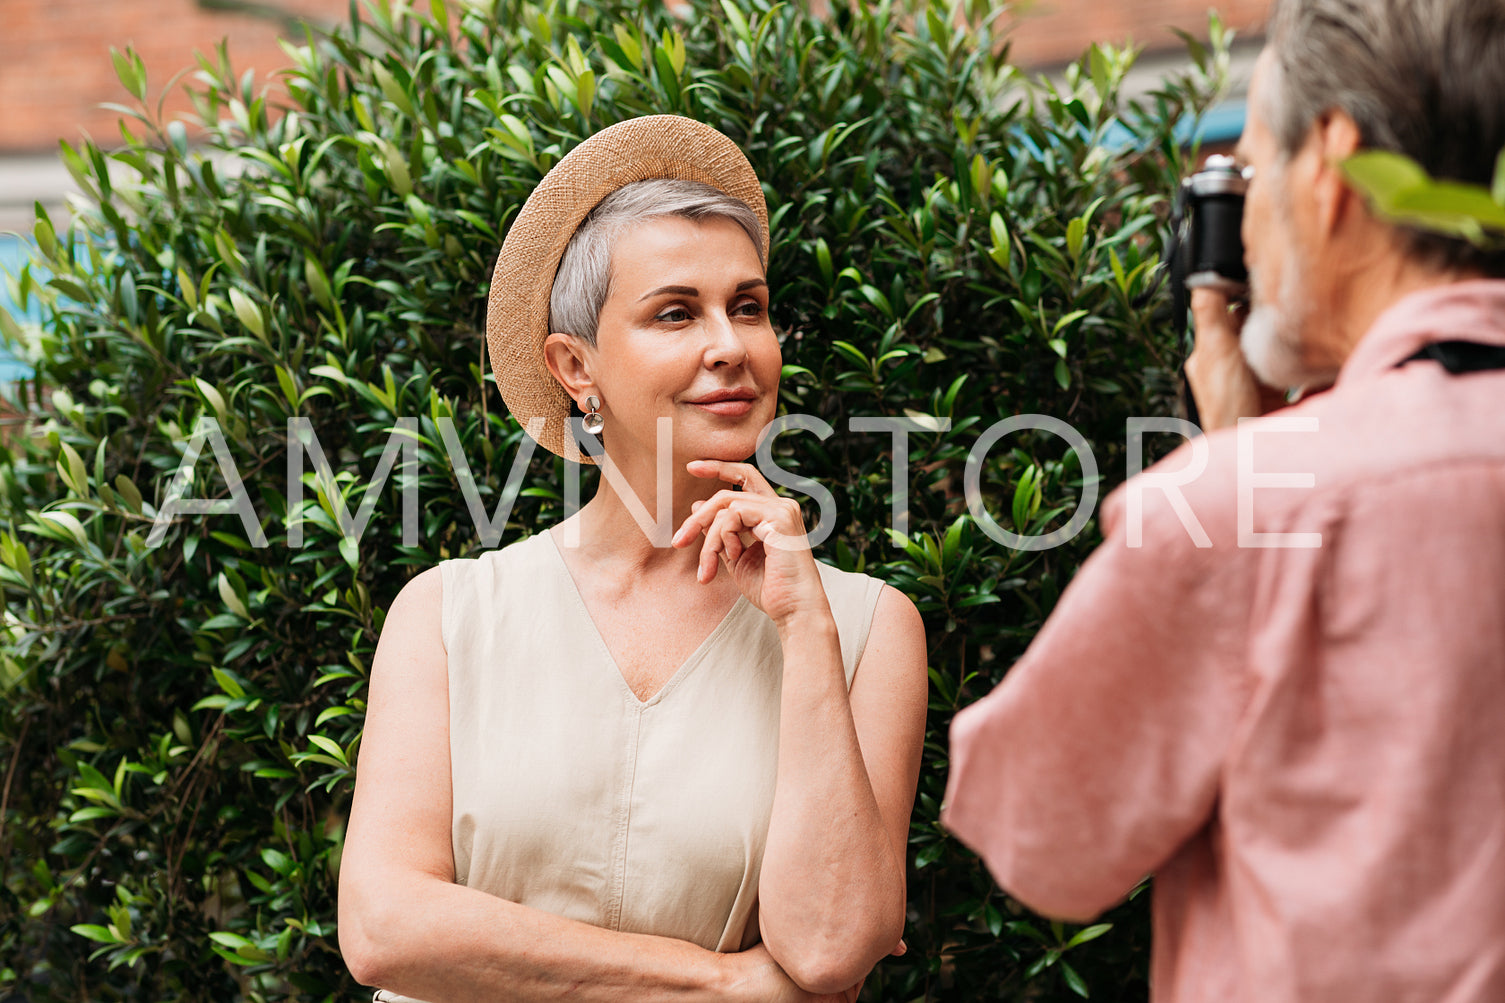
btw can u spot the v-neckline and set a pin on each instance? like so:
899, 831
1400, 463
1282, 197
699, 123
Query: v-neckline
680, 672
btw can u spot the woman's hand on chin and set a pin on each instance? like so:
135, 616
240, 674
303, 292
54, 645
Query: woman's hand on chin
760, 538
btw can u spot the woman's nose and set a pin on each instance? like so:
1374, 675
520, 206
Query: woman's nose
724, 346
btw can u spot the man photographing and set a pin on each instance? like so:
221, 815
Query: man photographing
1279, 685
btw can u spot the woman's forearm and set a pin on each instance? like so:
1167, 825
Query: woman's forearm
831, 893
440, 942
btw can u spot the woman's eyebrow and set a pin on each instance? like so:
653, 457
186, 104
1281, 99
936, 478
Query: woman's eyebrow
742, 286
676, 290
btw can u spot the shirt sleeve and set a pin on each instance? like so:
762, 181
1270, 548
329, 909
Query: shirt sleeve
1100, 752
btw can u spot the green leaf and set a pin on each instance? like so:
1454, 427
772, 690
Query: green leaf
330, 713
823, 262
210, 394
1073, 980
631, 47
674, 43
1026, 497
228, 683
289, 388
1000, 249
396, 166
1076, 232
68, 523
1382, 175
1089, 933
738, 22
248, 313
71, 467
392, 90
994, 918
329, 745
668, 78
1097, 62
130, 71
929, 855
1068, 320
318, 282
981, 176
221, 621
585, 92
233, 941
95, 933
228, 596
1400, 190
1118, 271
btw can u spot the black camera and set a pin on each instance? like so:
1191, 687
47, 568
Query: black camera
1214, 210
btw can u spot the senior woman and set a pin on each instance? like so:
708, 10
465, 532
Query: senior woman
599, 766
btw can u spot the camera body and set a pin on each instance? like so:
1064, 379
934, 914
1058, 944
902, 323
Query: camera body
1214, 248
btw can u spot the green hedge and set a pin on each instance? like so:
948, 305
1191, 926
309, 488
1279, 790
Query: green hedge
179, 723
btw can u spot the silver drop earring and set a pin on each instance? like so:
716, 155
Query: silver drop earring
593, 422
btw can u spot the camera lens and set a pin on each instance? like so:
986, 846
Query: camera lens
1215, 196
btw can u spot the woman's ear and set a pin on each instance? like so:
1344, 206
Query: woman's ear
568, 360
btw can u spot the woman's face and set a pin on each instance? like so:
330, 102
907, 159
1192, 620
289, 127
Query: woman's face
684, 333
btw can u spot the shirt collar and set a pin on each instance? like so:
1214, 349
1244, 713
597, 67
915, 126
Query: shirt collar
1463, 311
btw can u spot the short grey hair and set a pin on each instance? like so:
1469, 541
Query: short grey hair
583, 280
1425, 78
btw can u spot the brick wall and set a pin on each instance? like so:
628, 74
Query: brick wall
1047, 32
55, 66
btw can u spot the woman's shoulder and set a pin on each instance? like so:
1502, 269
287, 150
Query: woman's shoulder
854, 598
517, 556
853, 586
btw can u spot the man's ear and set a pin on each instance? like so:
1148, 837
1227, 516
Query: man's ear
1337, 137
568, 360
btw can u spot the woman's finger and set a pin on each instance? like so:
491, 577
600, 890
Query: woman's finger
744, 475
702, 516
729, 527
721, 534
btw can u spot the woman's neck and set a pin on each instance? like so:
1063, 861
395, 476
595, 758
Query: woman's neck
625, 523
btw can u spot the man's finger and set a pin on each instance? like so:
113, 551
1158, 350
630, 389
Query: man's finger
1215, 329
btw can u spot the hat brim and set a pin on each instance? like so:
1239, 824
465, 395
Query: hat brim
517, 308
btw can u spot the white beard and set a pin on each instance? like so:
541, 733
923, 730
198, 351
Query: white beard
1271, 337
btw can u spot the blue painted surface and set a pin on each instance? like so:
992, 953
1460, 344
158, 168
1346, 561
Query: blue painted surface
1222, 124
13, 253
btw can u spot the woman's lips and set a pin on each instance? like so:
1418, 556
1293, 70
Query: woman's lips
734, 407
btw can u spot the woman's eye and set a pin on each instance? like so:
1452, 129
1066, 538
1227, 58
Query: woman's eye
752, 308
674, 315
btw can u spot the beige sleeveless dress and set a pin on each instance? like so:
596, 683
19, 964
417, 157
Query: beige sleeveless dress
573, 796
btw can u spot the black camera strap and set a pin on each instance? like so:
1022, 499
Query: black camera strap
1460, 356
1181, 298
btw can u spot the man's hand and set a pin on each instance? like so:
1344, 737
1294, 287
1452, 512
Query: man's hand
1222, 384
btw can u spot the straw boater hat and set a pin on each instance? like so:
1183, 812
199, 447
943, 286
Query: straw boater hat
517, 312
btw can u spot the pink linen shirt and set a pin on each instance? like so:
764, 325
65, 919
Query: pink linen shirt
1303, 737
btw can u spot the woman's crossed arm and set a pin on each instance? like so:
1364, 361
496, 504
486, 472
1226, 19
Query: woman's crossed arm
831, 896
405, 925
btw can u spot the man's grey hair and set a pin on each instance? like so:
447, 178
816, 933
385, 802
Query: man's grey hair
583, 280
1425, 78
